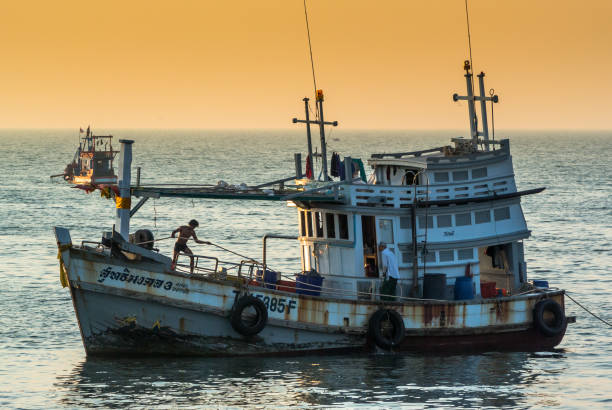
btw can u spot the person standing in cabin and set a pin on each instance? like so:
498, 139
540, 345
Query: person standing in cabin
184, 233
390, 272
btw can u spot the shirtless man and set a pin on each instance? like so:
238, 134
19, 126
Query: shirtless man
185, 232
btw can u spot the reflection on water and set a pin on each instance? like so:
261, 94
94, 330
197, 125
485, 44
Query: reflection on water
495, 379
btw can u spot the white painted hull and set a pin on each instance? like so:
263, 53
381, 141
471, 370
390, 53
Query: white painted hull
137, 308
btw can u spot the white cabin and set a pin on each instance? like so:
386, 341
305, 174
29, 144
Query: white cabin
473, 225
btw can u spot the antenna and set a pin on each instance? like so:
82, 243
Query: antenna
467, 18
314, 80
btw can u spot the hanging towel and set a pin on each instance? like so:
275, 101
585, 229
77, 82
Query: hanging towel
309, 172
362, 173
335, 165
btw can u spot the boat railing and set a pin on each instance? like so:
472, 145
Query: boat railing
217, 266
403, 196
98, 245
249, 266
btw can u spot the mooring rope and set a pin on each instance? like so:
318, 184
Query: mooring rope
587, 310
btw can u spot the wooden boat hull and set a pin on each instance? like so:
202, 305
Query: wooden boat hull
139, 308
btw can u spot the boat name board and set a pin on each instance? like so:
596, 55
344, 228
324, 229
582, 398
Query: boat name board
126, 276
274, 304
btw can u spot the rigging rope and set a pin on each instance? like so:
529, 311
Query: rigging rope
588, 311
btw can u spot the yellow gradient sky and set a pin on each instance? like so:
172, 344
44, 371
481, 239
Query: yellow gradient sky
244, 63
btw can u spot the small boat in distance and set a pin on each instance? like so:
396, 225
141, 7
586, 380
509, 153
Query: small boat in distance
92, 162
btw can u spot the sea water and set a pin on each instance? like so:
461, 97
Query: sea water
42, 361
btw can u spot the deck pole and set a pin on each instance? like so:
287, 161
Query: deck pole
348, 170
308, 136
123, 201
483, 110
298, 165
322, 131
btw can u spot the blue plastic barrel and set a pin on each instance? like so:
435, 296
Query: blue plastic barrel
268, 278
308, 285
464, 288
540, 283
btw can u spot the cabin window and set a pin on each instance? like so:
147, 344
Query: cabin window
318, 224
479, 172
447, 256
343, 226
441, 176
463, 219
460, 175
405, 222
422, 222
385, 230
465, 254
501, 213
429, 257
308, 223
444, 221
406, 253
330, 225
483, 217
302, 223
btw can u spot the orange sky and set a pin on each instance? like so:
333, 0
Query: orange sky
244, 63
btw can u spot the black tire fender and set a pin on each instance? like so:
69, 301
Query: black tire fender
386, 340
559, 320
261, 316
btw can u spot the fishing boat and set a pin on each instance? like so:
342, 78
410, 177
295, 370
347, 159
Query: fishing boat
451, 216
93, 161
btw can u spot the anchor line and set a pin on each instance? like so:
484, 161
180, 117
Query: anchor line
588, 311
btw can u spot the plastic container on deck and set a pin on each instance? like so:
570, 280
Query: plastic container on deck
464, 288
542, 284
487, 289
308, 285
434, 286
267, 279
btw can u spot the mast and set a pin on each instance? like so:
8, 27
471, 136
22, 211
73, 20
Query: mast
471, 98
308, 136
322, 132
321, 124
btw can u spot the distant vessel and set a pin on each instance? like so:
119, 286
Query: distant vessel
93, 161
451, 216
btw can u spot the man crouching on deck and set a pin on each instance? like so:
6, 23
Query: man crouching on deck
185, 232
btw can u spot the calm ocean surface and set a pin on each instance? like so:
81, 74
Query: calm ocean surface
42, 361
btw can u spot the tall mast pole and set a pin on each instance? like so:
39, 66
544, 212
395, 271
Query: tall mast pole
322, 131
470, 100
306, 99
483, 110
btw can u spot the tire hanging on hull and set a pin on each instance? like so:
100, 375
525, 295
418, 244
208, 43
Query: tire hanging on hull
244, 323
547, 327
386, 328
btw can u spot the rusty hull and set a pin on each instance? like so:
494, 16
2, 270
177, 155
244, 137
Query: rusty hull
118, 314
